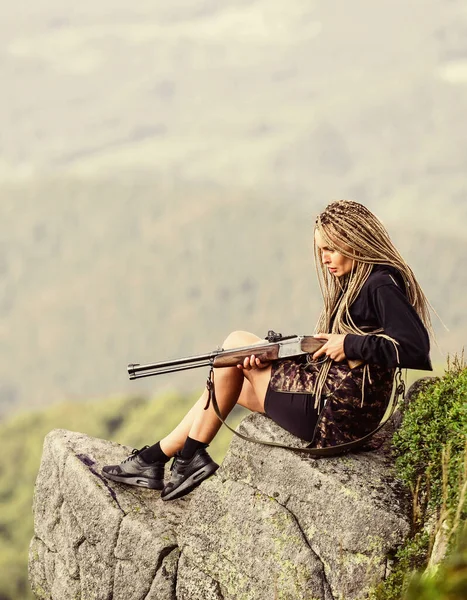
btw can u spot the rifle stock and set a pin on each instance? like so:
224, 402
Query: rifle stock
231, 358
269, 352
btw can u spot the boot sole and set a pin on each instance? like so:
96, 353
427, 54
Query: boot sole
152, 484
192, 482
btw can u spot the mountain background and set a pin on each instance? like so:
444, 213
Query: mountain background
161, 166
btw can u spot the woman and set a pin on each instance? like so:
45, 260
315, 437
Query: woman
375, 318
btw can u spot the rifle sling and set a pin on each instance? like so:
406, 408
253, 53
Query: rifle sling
329, 450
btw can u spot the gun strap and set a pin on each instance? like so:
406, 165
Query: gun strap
329, 450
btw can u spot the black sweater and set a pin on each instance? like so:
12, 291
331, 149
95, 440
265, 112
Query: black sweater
382, 303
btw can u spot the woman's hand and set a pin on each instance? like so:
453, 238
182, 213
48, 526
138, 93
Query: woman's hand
251, 362
334, 347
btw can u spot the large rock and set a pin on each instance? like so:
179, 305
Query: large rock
94, 540
270, 524
278, 522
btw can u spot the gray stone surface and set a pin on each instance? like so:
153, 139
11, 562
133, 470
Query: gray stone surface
96, 539
349, 511
250, 544
271, 524
195, 584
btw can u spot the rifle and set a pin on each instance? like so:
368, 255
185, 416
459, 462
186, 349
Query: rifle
276, 347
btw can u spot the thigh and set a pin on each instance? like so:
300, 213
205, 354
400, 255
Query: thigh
256, 381
237, 339
254, 389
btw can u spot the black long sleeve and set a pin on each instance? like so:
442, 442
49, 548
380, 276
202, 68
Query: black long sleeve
383, 304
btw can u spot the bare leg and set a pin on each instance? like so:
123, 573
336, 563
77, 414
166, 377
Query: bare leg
247, 387
175, 440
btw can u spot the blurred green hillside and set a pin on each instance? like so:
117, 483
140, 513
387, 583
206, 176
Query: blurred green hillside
132, 421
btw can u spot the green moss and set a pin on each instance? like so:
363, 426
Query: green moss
235, 583
433, 434
448, 581
351, 493
375, 544
40, 593
357, 558
291, 577
436, 419
411, 556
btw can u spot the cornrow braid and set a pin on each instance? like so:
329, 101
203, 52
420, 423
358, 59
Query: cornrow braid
355, 232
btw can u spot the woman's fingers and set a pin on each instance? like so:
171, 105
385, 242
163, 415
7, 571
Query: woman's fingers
320, 352
323, 350
333, 348
252, 362
246, 362
260, 364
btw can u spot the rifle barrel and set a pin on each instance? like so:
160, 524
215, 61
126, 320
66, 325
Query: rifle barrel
172, 369
136, 370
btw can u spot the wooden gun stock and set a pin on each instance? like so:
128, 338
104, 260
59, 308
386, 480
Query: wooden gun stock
231, 358
269, 352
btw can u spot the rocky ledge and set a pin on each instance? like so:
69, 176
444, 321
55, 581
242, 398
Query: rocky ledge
271, 523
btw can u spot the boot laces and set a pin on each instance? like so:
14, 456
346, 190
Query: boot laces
134, 453
181, 466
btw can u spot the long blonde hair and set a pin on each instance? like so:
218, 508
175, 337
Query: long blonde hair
355, 232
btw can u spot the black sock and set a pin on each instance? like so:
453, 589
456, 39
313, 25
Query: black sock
154, 454
191, 446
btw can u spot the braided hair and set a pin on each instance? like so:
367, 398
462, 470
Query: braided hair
355, 232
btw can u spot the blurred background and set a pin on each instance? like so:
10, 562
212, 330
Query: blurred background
161, 166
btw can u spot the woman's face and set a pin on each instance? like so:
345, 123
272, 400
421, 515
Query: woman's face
337, 263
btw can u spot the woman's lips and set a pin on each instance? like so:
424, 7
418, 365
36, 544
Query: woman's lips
332, 269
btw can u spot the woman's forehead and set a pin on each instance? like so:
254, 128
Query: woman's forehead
337, 246
319, 240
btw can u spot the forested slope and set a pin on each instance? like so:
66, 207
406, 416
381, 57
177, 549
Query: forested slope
153, 272
161, 167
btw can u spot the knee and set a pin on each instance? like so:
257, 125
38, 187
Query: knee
236, 339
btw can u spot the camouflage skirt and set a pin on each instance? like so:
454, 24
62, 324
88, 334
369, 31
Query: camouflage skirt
348, 408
